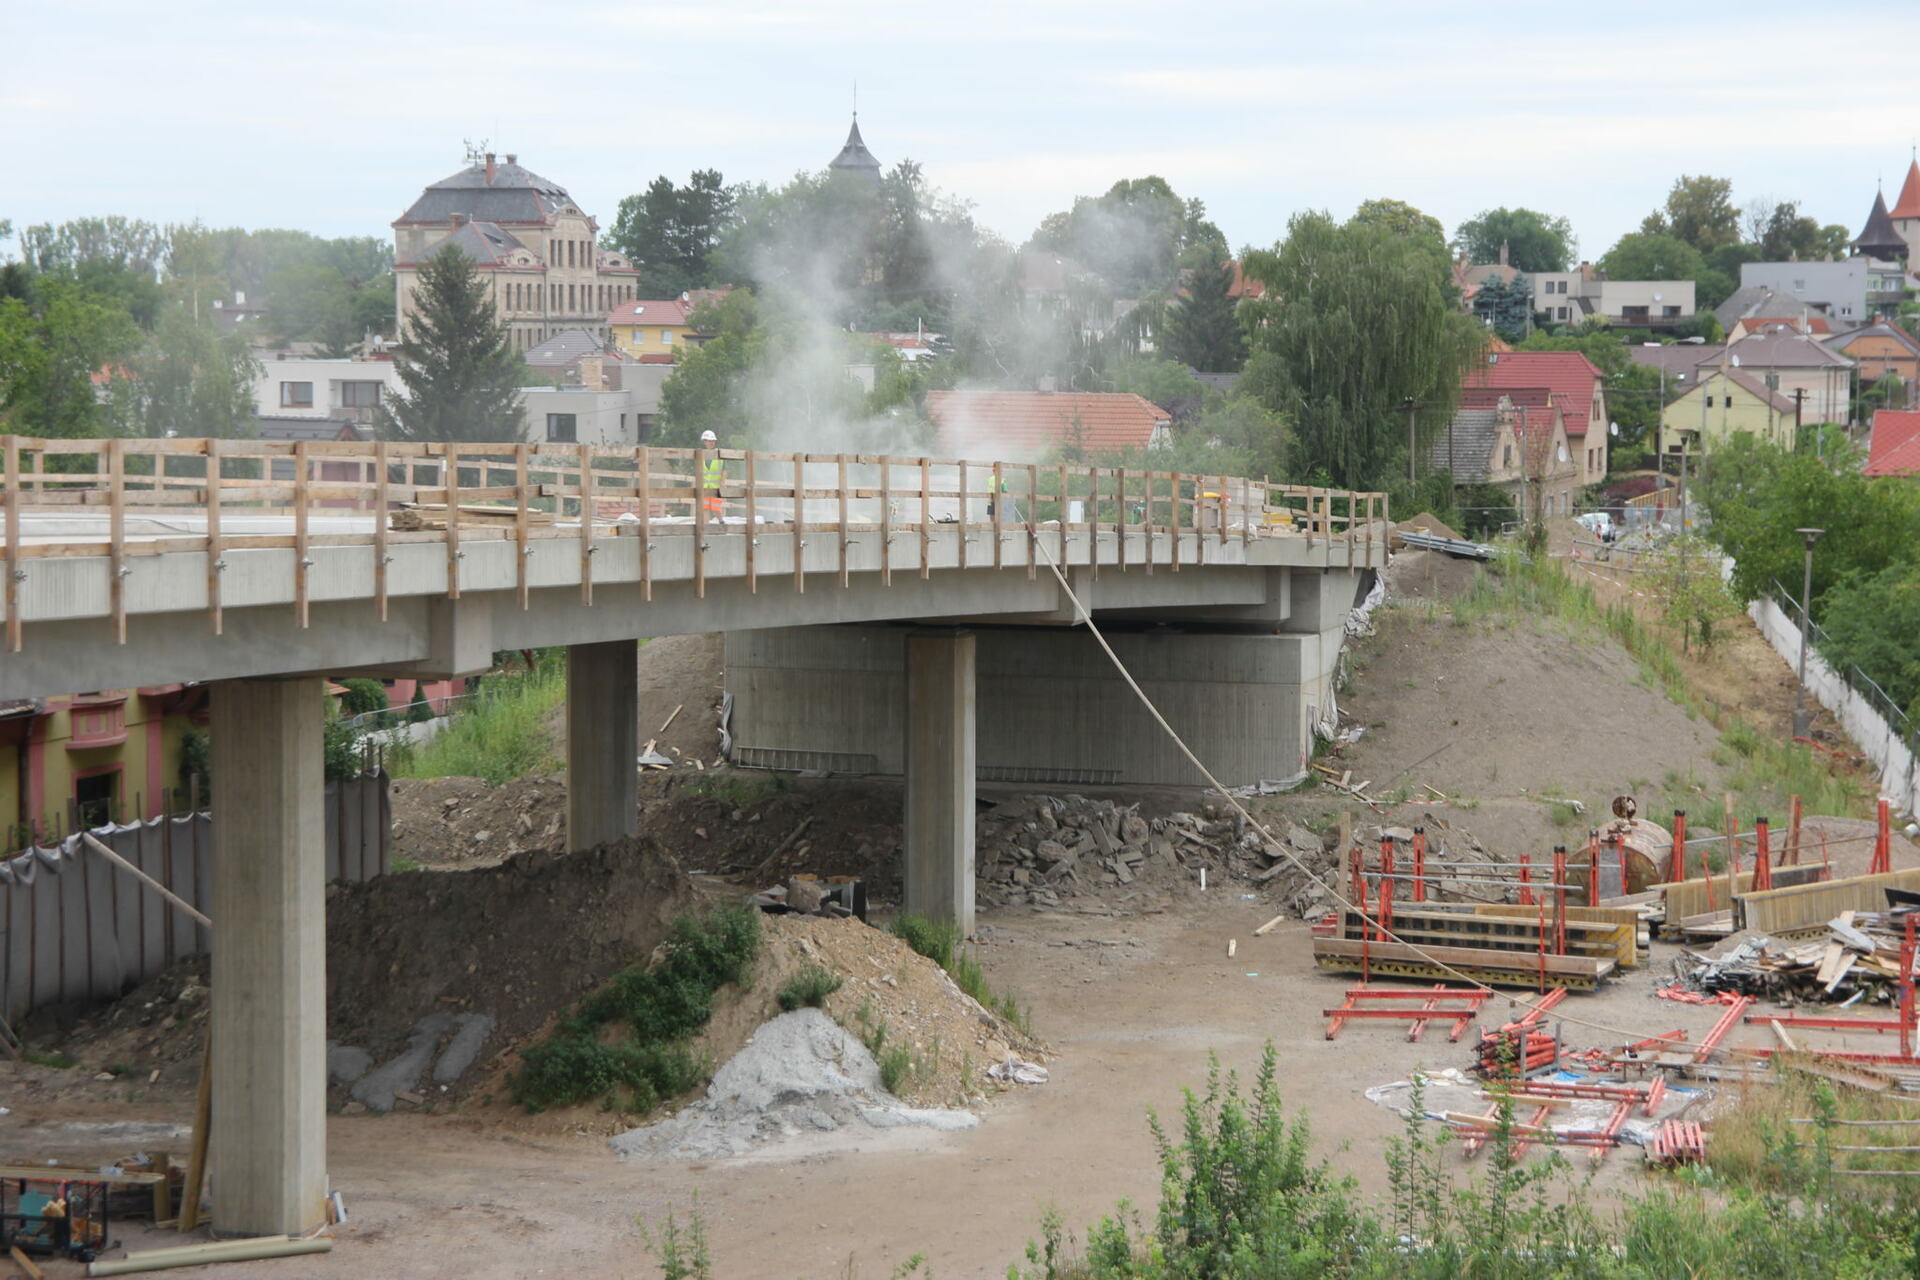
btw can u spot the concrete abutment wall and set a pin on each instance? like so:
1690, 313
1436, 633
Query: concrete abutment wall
1050, 706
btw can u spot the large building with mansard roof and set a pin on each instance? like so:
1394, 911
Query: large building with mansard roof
526, 236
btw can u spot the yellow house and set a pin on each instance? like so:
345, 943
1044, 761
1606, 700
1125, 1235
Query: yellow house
1734, 401
93, 758
651, 331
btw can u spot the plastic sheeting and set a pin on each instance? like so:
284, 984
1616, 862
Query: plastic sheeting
74, 927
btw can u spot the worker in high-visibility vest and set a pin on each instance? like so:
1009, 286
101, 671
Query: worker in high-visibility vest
713, 474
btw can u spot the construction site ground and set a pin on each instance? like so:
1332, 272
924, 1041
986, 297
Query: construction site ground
1130, 986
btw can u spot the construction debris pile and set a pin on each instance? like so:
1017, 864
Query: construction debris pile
1046, 850
1857, 961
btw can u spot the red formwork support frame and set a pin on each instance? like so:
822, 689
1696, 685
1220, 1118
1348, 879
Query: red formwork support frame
1526, 879
1762, 857
1722, 1029
1429, 1009
1419, 864
1882, 841
1677, 861
1386, 885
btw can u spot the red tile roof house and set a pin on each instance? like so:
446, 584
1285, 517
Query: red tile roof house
1571, 384
1894, 449
1027, 426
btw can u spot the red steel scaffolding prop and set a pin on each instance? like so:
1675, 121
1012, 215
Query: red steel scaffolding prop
1419, 864
1762, 857
1431, 1007
1882, 842
1677, 862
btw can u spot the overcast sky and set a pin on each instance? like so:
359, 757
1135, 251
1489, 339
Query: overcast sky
332, 116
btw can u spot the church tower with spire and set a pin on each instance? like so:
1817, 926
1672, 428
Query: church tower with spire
854, 158
1905, 214
1879, 238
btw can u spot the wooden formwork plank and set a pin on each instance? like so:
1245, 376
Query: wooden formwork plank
1521, 967
1810, 906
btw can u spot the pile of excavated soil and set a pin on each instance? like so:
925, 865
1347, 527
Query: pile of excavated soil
455, 823
1427, 522
1418, 574
515, 941
800, 1084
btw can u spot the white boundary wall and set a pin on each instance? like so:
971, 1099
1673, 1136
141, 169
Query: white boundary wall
1899, 777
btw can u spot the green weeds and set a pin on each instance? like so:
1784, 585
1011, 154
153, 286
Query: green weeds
499, 734
940, 942
808, 989
591, 1054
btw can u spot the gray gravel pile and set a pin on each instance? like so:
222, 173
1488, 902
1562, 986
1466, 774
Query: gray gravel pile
801, 1077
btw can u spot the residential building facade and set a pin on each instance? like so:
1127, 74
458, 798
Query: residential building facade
651, 330
539, 252
1849, 291
323, 390
1583, 294
1881, 350
1722, 404
1800, 368
1514, 447
93, 758
1032, 426
1565, 382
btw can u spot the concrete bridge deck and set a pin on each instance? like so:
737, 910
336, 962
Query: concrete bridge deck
262, 567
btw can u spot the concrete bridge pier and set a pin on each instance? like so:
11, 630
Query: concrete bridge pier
267, 1151
939, 871
603, 742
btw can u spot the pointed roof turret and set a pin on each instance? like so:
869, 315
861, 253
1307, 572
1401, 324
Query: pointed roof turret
1908, 205
854, 157
1878, 239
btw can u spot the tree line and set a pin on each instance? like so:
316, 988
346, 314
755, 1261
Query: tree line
107, 325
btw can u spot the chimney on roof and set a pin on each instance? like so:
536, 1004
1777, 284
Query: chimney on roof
512, 158
239, 297
490, 168
457, 219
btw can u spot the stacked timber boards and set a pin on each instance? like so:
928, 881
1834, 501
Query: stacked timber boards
1493, 943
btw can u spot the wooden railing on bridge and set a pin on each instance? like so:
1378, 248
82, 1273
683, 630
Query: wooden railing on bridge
526, 493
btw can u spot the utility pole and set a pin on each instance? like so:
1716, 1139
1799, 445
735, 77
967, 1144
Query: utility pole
1806, 593
1799, 399
1413, 410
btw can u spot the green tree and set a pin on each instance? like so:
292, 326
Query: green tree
1683, 576
1534, 241
1404, 220
1135, 236
1782, 232
1699, 210
1758, 495
51, 351
1873, 622
189, 379
1639, 255
708, 386
459, 370
1203, 329
670, 231
1506, 307
1356, 323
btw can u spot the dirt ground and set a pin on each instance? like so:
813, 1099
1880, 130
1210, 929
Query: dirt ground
1131, 1014
1129, 1000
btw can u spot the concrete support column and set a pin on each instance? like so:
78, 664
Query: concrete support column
269, 1002
940, 773
603, 742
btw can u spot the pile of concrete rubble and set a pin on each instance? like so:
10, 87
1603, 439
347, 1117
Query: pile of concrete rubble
1048, 850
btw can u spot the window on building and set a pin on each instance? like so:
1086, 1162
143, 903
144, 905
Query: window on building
296, 395
1799, 286
1559, 313
359, 395
562, 428
1669, 311
1506, 455
95, 797
666, 337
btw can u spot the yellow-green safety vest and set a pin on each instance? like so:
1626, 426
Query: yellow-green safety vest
716, 473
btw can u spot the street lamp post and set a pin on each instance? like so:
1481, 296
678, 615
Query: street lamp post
1806, 592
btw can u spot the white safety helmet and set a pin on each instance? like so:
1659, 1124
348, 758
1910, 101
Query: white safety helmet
707, 437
